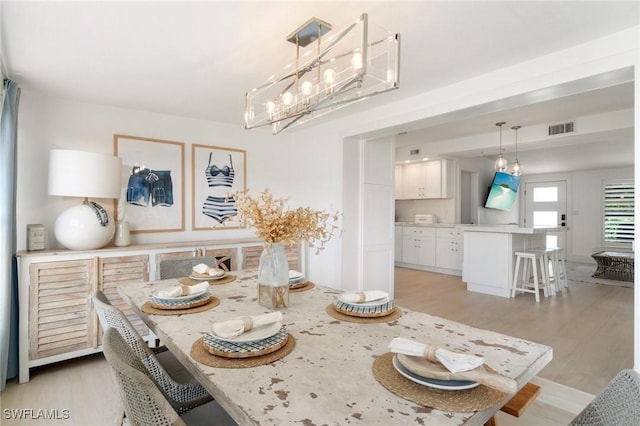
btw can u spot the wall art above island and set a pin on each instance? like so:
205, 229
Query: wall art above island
216, 172
152, 194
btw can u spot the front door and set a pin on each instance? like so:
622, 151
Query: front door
546, 206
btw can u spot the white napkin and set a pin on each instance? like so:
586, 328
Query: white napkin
235, 327
183, 290
363, 296
203, 269
453, 361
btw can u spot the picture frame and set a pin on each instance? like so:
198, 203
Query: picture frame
152, 193
215, 172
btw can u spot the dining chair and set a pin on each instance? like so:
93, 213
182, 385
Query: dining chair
178, 268
617, 405
143, 401
174, 379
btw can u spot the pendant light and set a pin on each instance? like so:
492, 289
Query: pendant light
501, 162
516, 170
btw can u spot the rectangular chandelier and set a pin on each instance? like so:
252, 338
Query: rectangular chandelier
329, 72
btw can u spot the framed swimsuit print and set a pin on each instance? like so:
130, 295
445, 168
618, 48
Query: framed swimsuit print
216, 172
152, 193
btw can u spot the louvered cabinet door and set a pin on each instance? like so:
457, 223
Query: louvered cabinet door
60, 320
114, 271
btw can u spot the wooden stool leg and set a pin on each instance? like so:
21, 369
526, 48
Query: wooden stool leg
514, 285
536, 281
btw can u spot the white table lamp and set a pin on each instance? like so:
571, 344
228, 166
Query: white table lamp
84, 174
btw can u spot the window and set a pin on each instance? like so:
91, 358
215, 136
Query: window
618, 211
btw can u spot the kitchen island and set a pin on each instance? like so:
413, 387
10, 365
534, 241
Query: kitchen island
489, 255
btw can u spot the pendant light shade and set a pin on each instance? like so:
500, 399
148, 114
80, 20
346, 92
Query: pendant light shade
501, 162
516, 170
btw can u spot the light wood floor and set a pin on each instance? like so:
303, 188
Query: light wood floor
589, 328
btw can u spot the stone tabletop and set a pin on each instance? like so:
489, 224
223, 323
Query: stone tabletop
328, 379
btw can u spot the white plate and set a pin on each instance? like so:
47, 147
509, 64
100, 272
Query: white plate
207, 278
376, 302
295, 276
433, 383
253, 335
156, 295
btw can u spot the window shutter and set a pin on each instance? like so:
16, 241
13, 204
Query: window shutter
619, 211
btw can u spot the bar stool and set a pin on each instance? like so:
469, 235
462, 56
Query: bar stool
535, 261
559, 267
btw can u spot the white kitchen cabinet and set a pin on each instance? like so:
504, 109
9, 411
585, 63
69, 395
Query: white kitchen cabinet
413, 177
427, 180
449, 248
419, 246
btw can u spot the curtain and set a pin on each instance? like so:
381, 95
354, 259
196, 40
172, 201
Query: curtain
8, 269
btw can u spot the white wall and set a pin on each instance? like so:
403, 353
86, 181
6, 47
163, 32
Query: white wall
46, 123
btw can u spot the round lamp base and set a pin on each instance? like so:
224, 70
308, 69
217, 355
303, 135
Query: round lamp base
78, 228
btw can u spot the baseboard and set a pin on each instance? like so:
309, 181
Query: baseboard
561, 396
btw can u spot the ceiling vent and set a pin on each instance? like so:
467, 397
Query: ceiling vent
414, 152
558, 129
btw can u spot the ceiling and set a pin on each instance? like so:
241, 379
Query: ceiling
197, 59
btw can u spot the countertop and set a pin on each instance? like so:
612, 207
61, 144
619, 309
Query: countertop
511, 229
507, 229
428, 225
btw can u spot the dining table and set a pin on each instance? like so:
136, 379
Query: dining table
328, 376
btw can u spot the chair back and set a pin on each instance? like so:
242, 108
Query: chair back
184, 395
143, 402
178, 268
617, 404
110, 316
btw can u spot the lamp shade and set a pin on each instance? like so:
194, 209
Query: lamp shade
84, 174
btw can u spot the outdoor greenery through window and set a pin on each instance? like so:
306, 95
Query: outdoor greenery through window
619, 211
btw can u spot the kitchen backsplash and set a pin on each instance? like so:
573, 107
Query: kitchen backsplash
443, 209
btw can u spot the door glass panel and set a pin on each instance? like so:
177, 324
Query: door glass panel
545, 194
544, 219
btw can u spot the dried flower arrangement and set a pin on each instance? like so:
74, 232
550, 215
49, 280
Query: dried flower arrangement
275, 222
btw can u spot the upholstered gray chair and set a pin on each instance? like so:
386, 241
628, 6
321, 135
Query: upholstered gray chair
175, 380
144, 403
178, 268
617, 405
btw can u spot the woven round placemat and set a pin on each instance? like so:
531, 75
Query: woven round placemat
200, 354
474, 399
333, 312
225, 280
307, 286
150, 308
